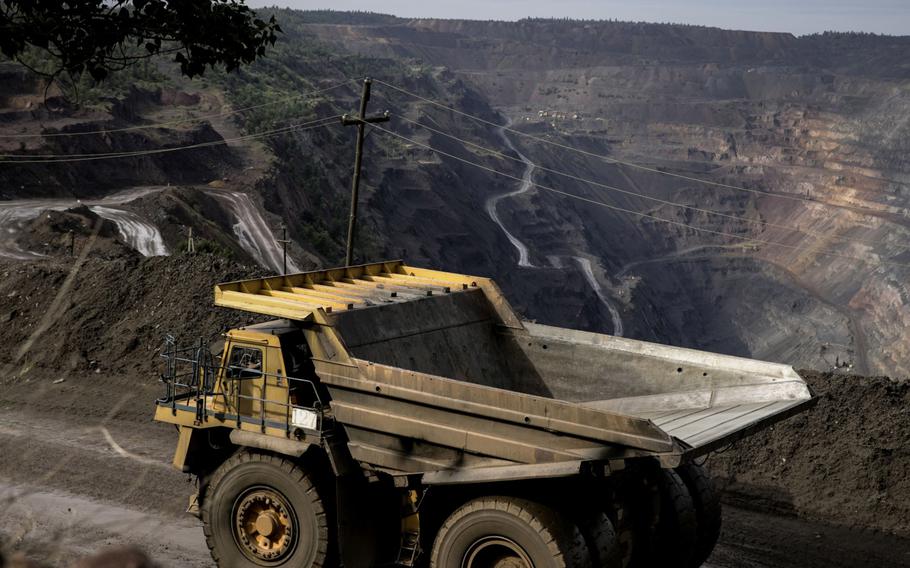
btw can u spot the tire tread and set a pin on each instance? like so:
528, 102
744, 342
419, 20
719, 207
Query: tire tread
563, 540
296, 473
708, 510
677, 526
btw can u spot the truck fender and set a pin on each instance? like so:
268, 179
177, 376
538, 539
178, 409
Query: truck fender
292, 448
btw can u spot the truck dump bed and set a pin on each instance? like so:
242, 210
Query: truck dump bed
433, 372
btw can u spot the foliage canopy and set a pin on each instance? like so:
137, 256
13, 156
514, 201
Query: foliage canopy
100, 36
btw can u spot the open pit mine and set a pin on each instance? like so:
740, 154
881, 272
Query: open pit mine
622, 295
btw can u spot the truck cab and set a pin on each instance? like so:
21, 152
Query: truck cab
262, 380
266, 372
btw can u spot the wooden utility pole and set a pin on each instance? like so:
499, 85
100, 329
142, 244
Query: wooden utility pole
361, 121
284, 247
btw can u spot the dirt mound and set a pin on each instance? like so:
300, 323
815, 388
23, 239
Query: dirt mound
57, 233
844, 462
108, 315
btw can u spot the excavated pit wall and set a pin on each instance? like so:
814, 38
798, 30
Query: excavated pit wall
819, 119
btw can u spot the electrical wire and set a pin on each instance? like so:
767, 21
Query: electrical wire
789, 196
318, 123
182, 121
815, 234
23, 157
631, 212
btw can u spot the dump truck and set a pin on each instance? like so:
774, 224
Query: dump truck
385, 414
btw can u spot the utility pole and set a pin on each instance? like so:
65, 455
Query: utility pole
361, 121
284, 247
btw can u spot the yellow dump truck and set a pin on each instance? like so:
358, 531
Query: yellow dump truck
399, 415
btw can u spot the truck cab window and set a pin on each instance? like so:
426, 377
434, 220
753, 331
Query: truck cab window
301, 372
244, 363
297, 360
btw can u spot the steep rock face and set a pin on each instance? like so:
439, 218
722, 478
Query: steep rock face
805, 140
814, 131
732, 303
160, 158
69, 135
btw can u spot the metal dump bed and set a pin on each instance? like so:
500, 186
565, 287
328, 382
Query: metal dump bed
310, 296
432, 372
702, 399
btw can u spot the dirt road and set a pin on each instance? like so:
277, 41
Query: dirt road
89, 470
588, 272
253, 232
75, 488
139, 233
524, 257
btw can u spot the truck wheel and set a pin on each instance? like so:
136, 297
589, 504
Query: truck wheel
600, 538
634, 509
676, 526
706, 501
263, 510
625, 534
508, 532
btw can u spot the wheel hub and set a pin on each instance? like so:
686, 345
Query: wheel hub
264, 525
267, 523
496, 552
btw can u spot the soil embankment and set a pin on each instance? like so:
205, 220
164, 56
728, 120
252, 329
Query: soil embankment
845, 462
66, 316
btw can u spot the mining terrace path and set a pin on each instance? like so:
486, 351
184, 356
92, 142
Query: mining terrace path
137, 232
588, 272
524, 257
250, 226
82, 472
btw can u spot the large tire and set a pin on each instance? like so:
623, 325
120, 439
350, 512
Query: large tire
600, 538
508, 531
263, 510
706, 501
634, 508
676, 526
625, 535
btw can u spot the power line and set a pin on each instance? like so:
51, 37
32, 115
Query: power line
182, 121
16, 157
815, 234
789, 196
318, 123
631, 212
